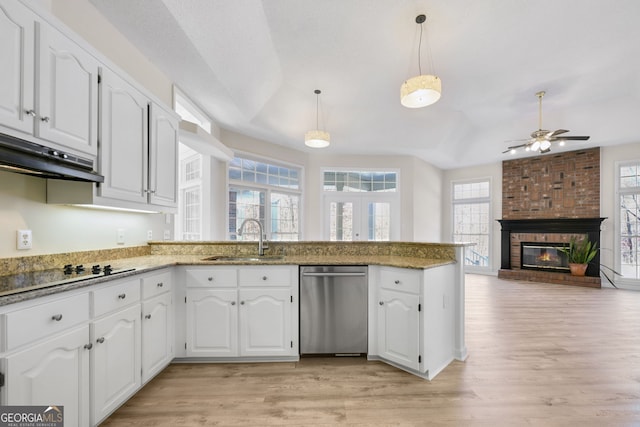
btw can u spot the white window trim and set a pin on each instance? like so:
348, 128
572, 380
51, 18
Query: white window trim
488, 199
394, 197
621, 282
241, 184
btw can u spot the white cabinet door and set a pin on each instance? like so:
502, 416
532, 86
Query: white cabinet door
67, 98
55, 372
157, 350
123, 137
163, 158
265, 322
115, 361
398, 328
17, 29
212, 323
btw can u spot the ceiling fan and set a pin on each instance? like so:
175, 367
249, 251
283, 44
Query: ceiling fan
541, 139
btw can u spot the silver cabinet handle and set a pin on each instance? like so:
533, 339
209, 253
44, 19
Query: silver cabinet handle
88, 346
57, 317
397, 282
30, 113
381, 303
122, 296
210, 279
100, 340
160, 284
233, 303
264, 277
148, 316
45, 119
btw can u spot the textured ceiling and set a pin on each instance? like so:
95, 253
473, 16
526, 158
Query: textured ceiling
253, 66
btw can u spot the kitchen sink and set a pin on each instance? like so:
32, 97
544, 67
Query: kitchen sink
265, 258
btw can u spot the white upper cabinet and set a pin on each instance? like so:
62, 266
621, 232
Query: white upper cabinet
67, 98
123, 138
17, 29
163, 157
57, 101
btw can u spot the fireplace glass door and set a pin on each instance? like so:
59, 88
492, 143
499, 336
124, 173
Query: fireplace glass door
543, 256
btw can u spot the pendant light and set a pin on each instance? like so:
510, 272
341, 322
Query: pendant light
317, 138
424, 89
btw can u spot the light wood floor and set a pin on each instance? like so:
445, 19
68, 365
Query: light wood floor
539, 354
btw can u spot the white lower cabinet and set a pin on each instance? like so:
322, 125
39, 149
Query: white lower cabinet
398, 328
157, 339
53, 372
245, 312
115, 361
212, 323
265, 322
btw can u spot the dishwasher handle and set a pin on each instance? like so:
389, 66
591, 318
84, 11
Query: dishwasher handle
337, 274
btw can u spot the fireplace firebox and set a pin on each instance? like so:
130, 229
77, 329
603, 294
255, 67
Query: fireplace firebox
544, 256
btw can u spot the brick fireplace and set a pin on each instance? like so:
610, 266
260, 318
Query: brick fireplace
548, 200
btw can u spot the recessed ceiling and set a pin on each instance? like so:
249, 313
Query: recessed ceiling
253, 66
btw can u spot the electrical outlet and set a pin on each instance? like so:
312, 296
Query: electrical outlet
167, 234
150, 235
120, 236
23, 239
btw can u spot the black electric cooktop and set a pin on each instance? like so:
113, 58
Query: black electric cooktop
31, 280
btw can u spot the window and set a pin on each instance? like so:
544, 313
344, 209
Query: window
253, 184
629, 219
471, 219
360, 205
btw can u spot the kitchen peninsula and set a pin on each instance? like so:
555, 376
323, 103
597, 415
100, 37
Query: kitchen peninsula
169, 293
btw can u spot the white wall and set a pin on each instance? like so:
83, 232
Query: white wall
492, 171
60, 228
420, 184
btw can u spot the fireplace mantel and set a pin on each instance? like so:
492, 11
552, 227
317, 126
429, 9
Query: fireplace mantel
588, 226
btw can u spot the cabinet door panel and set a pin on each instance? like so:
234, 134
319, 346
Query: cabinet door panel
115, 360
55, 372
67, 93
265, 322
123, 135
212, 322
17, 27
398, 328
156, 335
163, 164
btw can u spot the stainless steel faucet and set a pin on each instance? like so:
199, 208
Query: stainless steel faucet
261, 241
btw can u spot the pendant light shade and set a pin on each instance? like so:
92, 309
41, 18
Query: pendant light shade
317, 138
424, 89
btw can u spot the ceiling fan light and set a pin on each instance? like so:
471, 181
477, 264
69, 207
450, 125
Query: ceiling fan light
420, 91
513, 151
535, 146
317, 139
545, 145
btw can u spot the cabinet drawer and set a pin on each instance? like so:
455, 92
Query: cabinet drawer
400, 280
212, 277
42, 320
115, 296
156, 284
261, 276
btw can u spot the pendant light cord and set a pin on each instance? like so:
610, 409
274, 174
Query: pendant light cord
419, 50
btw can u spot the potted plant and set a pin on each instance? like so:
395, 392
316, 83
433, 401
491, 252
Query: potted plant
579, 255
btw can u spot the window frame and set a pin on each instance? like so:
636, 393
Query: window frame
630, 283
475, 200
268, 189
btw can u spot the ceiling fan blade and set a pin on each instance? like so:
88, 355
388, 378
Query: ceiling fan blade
570, 138
557, 132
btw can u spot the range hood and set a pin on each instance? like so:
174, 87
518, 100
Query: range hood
18, 155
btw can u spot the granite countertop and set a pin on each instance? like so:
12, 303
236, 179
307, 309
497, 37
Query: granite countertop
143, 264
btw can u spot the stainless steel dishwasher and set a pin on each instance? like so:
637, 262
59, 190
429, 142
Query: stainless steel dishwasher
333, 310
